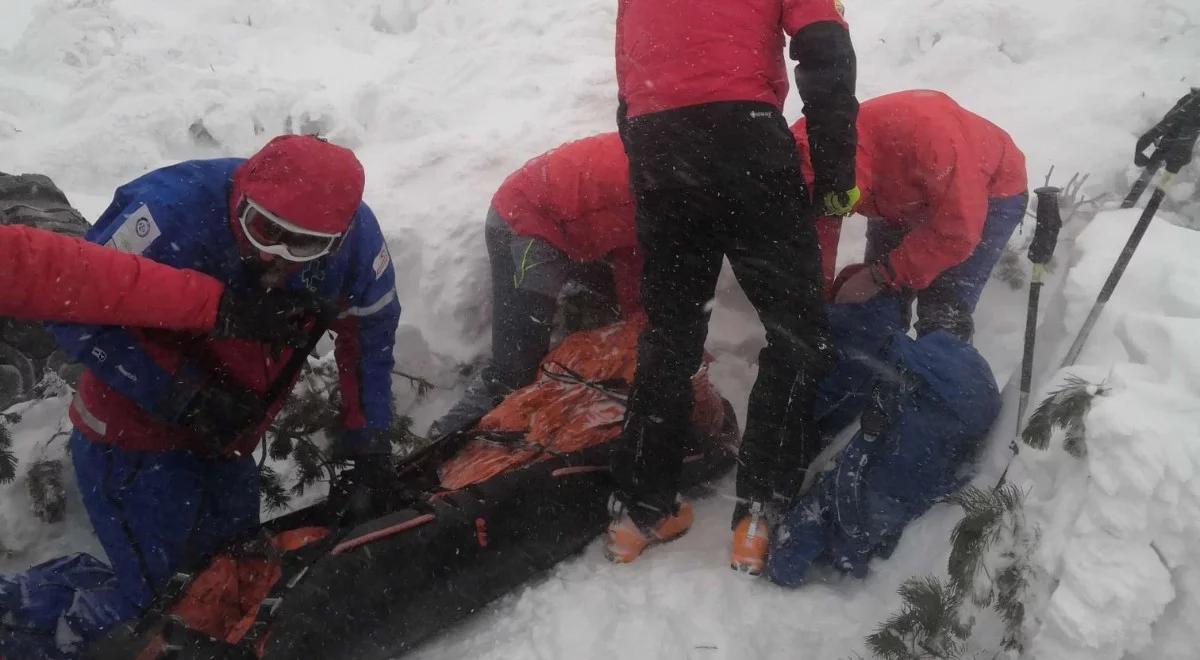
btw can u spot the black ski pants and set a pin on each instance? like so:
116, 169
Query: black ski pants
764, 224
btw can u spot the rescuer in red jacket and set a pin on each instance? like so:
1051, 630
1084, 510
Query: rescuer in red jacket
50, 277
715, 174
564, 216
943, 189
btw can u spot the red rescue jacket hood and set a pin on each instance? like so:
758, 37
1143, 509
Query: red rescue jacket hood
303, 179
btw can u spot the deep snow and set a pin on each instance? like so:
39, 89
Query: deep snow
443, 98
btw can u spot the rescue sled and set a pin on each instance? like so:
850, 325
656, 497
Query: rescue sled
474, 516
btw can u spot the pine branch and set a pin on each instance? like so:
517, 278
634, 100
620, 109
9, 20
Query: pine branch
423, 386
274, 496
46, 490
984, 511
887, 645
280, 447
310, 464
1011, 584
8, 460
927, 626
1065, 408
1073, 442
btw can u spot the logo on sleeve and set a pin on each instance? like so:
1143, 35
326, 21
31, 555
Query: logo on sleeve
136, 232
381, 261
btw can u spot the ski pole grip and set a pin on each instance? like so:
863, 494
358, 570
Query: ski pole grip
1049, 221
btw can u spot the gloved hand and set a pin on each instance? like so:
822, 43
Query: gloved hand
841, 203
859, 283
370, 485
1174, 137
274, 317
221, 412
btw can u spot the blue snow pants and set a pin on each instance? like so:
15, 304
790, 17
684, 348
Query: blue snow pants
950, 300
154, 513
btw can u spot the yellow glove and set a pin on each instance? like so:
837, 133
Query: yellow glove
842, 203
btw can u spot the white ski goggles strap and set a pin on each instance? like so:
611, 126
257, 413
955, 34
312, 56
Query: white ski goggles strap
272, 234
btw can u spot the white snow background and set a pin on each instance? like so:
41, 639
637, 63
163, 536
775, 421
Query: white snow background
441, 99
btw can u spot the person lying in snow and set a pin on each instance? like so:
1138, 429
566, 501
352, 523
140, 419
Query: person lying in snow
566, 215
165, 422
943, 190
925, 405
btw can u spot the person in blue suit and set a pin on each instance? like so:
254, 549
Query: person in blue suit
166, 421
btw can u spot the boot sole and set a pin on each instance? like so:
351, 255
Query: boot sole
745, 570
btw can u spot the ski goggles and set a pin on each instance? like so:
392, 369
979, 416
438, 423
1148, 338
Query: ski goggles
272, 234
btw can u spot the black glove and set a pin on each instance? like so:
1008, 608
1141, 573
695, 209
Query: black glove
370, 486
221, 412
1174, 137
274, 317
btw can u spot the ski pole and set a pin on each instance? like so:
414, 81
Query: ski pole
1174, 140
1041, 250
1139, 186
1118, 269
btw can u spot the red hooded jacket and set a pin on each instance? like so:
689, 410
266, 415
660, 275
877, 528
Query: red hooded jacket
50, 277
676, 53
577, 198
926, 163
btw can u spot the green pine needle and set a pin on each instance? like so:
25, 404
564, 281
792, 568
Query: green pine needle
1064, 408
1011, 584
887, 645
274, 496
8, 460
310, 464
927, 626
280, 448
1074, 442
984, 514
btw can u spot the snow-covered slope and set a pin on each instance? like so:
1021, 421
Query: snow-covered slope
1121, 528
443, 98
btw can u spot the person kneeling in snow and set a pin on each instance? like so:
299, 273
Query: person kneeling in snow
943, 190
165, 422
565, 216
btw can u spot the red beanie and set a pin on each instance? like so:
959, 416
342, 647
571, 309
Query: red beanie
304, 180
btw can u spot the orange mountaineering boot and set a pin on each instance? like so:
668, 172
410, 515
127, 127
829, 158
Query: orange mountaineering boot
751, 536
624, 540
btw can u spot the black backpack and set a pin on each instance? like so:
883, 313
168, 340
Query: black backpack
27, 350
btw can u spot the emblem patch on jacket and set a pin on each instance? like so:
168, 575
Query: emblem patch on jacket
136, 233
381, 261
